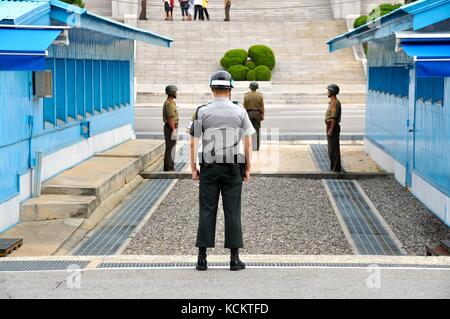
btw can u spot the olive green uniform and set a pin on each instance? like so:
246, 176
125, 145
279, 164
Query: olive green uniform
169, 111
334, 153
254, 105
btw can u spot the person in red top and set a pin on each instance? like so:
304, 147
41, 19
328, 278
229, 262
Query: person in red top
172, 5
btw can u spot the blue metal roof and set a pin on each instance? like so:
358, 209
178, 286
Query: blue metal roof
24, 47
431, 51
414, 16
20, 12
78, 17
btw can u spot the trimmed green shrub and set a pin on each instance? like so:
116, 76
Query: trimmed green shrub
234, 57
238, 72
250, 65
262, 55
380, 11
362, 20
262, 73
251, 75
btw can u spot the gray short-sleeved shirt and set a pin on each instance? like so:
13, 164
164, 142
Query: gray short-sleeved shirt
221, 125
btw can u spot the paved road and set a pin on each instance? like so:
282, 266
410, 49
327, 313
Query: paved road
304, 119
221, 283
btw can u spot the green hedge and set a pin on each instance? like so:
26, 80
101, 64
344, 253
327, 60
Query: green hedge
75, 2
362, 20
256, 65
380, 11
250, 65
262, 73
262, 55
234, 57
238, 72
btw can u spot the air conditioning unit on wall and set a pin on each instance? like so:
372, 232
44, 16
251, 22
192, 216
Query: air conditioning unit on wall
42, 84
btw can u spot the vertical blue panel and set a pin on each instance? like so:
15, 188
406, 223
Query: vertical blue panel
386, 119
70, 89
15, 106
60, 91
110, 84
89, 87
97, 86
127, 82
80, 88
389, 80
116, 83
432, 127
104, 82
49, 103
121, 83
430, 89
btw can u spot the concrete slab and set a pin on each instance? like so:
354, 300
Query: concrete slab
98, 176
283, 158
53, 206
147, 150
42, 238
355, 159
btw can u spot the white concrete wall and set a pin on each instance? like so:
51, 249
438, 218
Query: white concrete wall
431, 197
63, 159
121, 8
387, 162
57, 162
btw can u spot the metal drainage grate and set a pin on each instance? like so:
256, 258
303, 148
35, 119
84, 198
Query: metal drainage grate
41, 265
111, 236
320, 154
190, 265
368, 233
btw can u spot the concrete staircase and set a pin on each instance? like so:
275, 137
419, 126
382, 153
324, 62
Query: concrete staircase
253, 10
304, 65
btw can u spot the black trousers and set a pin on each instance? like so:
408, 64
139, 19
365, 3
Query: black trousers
216, 179
169, 164
206, 14
255, 118
334, 151
199, 11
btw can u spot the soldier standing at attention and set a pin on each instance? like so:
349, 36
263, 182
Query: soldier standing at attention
332, 120
221, 125
170, 118
254, 105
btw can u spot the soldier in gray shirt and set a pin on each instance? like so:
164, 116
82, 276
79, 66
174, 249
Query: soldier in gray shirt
221, 126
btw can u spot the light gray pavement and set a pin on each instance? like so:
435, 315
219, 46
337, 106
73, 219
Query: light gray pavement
221, 283
304, 119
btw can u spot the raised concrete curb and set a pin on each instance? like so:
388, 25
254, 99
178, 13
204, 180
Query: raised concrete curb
301, 175
94, 261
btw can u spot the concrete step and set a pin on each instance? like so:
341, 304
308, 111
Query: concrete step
49, 207
98, 176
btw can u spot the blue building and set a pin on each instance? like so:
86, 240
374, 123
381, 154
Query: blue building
82, 106
408, 97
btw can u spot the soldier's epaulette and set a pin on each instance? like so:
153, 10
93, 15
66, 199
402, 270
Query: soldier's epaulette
196, 111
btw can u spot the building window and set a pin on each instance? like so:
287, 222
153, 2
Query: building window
389, 80
430, 89
85, 88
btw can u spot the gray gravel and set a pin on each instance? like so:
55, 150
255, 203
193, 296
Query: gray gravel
413, 224
280, 216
